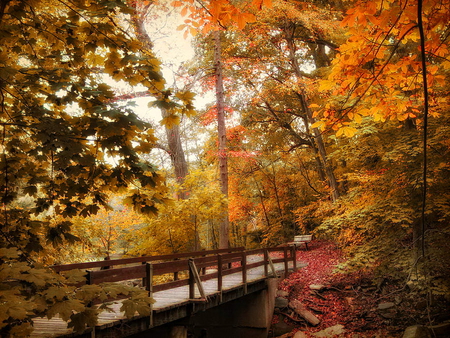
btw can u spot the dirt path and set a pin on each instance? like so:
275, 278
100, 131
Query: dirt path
351, 303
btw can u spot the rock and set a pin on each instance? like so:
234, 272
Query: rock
317, 287
387, 310
282, 293
303, 312
385, 306
417, 331
286, 335
281, 302
300, 334
331, 331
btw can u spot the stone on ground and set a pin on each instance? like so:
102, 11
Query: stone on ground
416, 331
303, 312
332, 331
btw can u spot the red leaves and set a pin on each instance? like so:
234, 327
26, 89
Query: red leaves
335, 302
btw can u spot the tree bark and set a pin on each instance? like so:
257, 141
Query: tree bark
175, 147
221, 129
176, 151
316, 135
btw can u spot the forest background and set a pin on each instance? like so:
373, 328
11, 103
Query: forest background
333, 120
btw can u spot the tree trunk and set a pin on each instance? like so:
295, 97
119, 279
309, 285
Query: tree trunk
223, 163
176, 151
323, 155
317, 136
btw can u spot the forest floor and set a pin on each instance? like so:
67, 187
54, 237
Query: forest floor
351, 304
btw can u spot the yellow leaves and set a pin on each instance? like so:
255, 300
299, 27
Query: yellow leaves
355, 117
58, 292
446, 65
346, 131
379, 116
406, 29
325, 85
136, 79
186, 96
9, 253
318, 124
65, 309
95, 59
170, 120
14, 306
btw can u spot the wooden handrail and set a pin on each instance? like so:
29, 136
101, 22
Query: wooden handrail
221, 262
143, 259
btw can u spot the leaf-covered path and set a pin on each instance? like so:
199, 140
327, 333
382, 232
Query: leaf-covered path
350, 300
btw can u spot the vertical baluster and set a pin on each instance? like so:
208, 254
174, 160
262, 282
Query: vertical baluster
191, 281
286, 262
149, 288
244, 270
266, 263
294, 257
219, 272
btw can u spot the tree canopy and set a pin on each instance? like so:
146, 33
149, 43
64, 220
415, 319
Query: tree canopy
337, 124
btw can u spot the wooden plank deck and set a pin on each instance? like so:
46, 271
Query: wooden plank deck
167, 299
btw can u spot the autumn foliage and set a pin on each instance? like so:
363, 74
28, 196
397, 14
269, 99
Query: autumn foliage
337, 119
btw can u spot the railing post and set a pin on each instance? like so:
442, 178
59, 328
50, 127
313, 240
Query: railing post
175, 273
89, 282
191, 282
219, 273
88, 277
203, 270
149, 288
294, 258
286, 263
244, 270
266, 263
144, 281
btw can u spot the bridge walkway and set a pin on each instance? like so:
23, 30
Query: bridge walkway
177, 302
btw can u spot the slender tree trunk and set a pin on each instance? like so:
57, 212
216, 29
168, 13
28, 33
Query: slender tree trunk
175, 146
317, 136
176, 151
262, 203
323, 154
223, 161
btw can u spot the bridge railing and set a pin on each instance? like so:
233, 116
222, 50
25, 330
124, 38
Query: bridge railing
197, 266
140, 260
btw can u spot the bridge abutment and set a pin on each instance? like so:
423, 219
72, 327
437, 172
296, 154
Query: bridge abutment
247, 316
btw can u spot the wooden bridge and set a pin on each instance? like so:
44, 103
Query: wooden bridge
197, 282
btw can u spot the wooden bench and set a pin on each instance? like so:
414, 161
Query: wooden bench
300, 240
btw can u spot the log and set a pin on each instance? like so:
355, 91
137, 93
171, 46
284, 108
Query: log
303, 312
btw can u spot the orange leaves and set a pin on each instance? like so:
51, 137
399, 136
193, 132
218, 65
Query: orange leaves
377, 72
215, 14
259, 4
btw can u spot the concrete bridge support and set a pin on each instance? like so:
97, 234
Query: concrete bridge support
247, 316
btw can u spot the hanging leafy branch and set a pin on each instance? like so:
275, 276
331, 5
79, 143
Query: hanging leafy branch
64, 143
